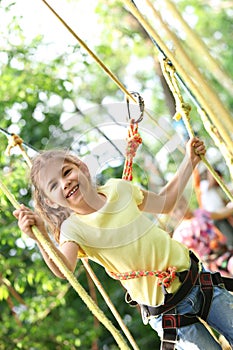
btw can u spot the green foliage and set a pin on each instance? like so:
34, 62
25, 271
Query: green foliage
37, 95
213, 24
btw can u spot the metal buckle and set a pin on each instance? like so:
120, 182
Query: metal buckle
170, 321
206, 280
169, 341
145, 315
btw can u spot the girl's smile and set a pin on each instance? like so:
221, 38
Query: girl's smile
70, 187
73, 191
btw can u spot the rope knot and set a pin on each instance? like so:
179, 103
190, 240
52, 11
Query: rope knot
184, 109
13, 141
132, 145
133, 141
167, 277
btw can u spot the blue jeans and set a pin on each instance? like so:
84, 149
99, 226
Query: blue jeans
196, 336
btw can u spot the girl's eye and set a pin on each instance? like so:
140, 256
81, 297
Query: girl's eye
67, 171
53, 187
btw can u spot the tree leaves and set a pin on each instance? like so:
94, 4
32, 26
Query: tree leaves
39, 98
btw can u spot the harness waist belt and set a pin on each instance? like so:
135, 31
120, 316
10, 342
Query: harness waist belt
190, 279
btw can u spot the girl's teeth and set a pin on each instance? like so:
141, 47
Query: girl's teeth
75, 189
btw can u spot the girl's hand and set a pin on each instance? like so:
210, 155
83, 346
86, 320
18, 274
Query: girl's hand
26, 219
229, 205
194, 148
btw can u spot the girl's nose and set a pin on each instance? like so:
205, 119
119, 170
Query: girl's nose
66, 184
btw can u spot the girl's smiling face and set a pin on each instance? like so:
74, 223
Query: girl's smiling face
65, 184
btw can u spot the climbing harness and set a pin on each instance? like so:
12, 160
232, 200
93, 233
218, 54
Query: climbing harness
170, 319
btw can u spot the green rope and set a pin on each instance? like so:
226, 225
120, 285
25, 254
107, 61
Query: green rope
183, 110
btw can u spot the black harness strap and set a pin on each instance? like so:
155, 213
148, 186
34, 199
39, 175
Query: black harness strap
188, 279
170, 322
169, 339
170, 319
206, 285
226, 282
173, 320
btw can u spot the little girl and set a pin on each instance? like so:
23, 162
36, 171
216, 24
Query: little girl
109, 225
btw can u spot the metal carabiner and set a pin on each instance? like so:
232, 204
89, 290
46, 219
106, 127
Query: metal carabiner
141, 105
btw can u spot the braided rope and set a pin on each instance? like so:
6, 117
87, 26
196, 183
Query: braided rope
133, 141
183, 110
165, 278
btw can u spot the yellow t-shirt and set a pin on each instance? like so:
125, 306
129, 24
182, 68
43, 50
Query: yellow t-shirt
122, 238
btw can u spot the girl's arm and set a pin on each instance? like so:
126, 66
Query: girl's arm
68, 252
223, 213
171, 192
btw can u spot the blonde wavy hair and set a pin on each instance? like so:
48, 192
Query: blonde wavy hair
53, 217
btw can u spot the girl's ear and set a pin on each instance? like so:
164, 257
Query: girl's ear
51, 204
